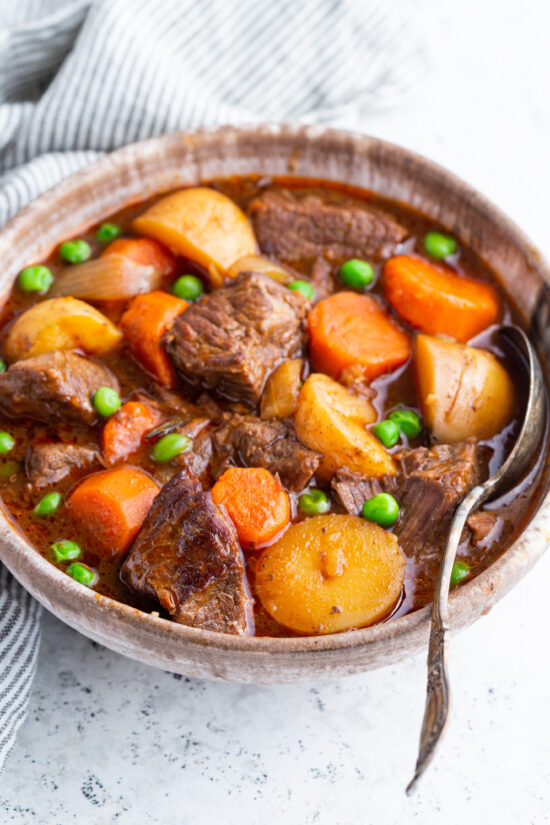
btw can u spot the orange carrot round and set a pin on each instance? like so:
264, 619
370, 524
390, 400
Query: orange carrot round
255, 501
109, 507
124, 431
145, 252
436, 300
143, 325
351, 330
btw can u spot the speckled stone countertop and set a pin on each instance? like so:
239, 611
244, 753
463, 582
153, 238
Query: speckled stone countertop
111, 741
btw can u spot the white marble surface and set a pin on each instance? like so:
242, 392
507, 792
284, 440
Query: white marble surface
108, 740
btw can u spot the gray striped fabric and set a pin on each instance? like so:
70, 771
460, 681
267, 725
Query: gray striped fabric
79, 78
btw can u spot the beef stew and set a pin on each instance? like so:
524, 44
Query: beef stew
278, 399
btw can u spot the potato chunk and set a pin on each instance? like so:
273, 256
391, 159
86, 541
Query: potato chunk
201, 224
333, 421
282, 390
61, 324
463, 391
331, 573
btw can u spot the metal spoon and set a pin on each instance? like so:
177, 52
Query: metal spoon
514, 468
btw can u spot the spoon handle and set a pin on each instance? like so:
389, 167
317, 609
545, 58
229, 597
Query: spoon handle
436, 710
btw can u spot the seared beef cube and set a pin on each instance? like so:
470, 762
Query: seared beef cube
188, 558
232, 339
483, 525
434, 482
197, 460
49, 463
321, 278
353, 489
53, 387
248, 441
294, 229
430, 485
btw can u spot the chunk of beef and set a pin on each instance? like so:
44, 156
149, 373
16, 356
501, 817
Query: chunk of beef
248, 441
435, 481
428, 488
293, 229
49, 463
52, 387
197, 459
232, 339
353, 489
176, 404
187, 557
321, 278
484, 526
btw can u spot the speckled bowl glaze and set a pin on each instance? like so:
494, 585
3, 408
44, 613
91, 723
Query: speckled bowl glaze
163, 163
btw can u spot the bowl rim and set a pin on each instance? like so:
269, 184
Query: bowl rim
476, 590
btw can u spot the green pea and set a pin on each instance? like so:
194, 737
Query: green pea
2, 365
106, 401
439, 246
48, 505
314, 502
108, 232
81, 573
75, 251
188, 288
65, 550
9, 469
387, 432
408, 422
460, 571
35, 279
356, 274
7, 443
382, 509
304, 288
170, 446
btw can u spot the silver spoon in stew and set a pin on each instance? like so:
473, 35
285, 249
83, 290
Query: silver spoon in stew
514, 468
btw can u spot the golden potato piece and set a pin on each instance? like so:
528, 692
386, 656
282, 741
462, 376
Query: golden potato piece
331, 573
282, 390
333, 421
61, 324
463, 391
201, 224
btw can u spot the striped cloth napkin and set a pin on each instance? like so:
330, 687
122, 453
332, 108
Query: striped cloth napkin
78, 78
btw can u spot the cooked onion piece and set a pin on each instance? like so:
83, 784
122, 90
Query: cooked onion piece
108, 278
331, 573
257, 263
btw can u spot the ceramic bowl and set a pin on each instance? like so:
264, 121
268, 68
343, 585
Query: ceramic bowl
166, 162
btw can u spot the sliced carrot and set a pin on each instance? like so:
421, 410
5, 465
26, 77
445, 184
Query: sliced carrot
145, 252
143, 325
438, 301
123, 433
255, 501
109, 507
348, 330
